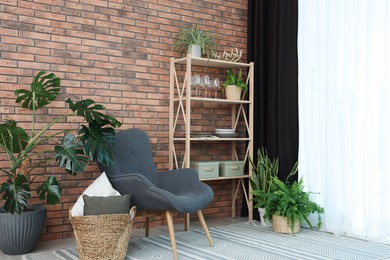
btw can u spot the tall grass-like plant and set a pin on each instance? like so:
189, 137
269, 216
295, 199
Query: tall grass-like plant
94, 141
195, 36
262, 174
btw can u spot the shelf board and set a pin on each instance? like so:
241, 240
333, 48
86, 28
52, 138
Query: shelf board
213, 63
226, 178
210, 139
216, 100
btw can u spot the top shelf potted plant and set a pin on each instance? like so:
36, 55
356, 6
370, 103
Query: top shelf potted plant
94, 140
195, 41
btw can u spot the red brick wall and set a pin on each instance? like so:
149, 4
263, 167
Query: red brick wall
115, 52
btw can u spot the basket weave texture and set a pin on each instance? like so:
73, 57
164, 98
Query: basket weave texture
102, 236
281, 225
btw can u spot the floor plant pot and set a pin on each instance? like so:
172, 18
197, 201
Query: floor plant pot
233, 92
195, 50
280, 225
20, 233
262, 220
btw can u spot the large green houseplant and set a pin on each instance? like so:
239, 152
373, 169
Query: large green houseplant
263, 171
290, 202
194, 36
94, 141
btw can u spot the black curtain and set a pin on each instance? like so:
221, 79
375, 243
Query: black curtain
272, 46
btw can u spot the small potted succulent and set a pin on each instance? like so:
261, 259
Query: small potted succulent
234, 85
288, 205
196, 41
94, 141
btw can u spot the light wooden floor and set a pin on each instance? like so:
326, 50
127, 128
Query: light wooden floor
136, 233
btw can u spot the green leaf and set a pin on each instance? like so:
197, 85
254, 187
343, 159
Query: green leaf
88, 109
50, 190
70, 155
16, 194
44, 89
98, 143
12, 137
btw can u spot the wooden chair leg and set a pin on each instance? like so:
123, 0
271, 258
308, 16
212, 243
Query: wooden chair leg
169, 217
187, 221
147, 225
204, 226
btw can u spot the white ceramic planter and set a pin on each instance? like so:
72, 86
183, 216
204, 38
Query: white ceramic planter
233, 92
262, 220
195, 50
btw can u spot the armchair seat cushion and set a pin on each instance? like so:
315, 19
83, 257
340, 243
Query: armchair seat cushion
134, 172
146, 196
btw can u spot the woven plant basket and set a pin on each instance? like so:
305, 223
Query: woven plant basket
281, 225
102, 236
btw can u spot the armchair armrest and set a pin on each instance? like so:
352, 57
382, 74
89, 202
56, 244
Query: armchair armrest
144, 194
185, 177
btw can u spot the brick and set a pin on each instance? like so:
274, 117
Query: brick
50, 16
50, 44
9, 17
18, 56
16, 40
81, 34
7, 63
66, 54
49, 59
65, 39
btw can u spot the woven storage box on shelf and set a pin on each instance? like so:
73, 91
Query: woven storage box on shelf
102, 236
280, 225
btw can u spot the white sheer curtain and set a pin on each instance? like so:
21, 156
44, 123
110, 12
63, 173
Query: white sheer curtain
344, 113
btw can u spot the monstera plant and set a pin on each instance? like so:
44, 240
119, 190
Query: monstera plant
93, 141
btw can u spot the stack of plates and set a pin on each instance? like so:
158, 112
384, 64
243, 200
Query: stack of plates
225, 133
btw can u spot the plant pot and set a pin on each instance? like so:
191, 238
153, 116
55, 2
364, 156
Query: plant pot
20, 233
233, 92
195, 50
280, 225
262, 220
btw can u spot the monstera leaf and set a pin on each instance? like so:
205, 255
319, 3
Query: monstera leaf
88, 109
98, 143
44, 89
50, 190
12, 137
70, 155
16, 194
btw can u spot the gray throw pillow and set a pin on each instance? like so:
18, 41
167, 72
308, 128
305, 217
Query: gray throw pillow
106, 205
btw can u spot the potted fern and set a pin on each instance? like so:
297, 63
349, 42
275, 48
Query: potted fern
262, 173
288, 205
195, 41
234, 85
21, 223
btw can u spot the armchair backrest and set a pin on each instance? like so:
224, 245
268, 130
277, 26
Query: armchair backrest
133, 154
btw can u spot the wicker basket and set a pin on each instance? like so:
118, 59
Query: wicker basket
280, 225
102, 236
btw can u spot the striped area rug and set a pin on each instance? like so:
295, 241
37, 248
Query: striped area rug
244, 241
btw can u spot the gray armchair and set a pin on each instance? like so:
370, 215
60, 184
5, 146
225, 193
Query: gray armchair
155, 192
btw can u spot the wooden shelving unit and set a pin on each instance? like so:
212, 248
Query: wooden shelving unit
180, 104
